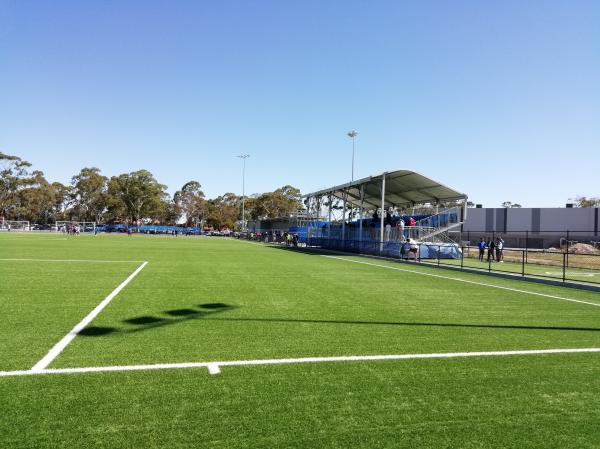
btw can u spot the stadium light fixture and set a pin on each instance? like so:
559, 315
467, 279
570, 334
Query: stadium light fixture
243, 157
352, 134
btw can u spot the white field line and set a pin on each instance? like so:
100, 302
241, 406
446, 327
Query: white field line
215, 367
64, 342
71, 260
483, 284
36, 239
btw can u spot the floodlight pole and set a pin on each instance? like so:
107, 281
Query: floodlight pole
243, 157
352, 134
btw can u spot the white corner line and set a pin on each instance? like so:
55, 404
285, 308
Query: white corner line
215, 367
483, 284
64, 342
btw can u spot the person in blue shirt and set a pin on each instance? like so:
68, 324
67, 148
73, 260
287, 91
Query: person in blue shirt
481, 245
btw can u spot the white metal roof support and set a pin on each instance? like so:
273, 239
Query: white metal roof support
360, 225
344, 220
329, 222
381, 213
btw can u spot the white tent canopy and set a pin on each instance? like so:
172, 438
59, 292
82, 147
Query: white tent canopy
403, 188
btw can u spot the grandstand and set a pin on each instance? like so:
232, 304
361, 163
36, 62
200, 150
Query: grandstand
364, 216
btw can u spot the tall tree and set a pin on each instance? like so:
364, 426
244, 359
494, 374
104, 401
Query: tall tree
582, 201
89, 194
135, 196
280, 203
39, 200
223, 211
190, 200
14, 176
169, 212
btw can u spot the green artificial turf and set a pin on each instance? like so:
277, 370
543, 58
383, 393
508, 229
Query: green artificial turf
211, 299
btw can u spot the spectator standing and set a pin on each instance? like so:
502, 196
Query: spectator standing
388, 225
499, 250
375, 218
491, 247
481, 245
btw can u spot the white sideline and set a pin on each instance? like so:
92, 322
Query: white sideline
70, 260
465, 281
64, 342
215, 367
35, 238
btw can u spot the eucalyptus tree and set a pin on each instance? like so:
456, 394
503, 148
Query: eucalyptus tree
89, 194
191, 202
14, 176
135, 197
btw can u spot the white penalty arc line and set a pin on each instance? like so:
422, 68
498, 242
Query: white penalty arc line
64, 342
215, 367
483, 284
70, 260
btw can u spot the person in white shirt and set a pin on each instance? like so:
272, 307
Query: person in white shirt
499, 250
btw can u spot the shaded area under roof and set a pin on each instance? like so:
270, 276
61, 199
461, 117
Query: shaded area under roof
402, 188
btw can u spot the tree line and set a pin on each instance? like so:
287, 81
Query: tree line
134, 198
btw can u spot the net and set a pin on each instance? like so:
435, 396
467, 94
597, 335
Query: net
14, 226
76, 226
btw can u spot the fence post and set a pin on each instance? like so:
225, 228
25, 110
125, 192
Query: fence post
567, 259
523, 262
419, 249
565, 256
439, 250
490, 261
462, 257
526, 244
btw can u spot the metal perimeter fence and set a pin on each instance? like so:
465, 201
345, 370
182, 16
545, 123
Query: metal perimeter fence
562, 256
556, 264
565, 240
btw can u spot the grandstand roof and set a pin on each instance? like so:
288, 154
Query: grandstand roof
402, 188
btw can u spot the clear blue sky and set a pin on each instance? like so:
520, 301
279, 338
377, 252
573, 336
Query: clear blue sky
500, 100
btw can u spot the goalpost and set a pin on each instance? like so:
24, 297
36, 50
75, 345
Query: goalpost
80, 226
14, 226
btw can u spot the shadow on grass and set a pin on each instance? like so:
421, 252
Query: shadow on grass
309, 251
145, 322
211, 310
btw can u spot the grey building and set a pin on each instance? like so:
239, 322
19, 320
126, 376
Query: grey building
543, 227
